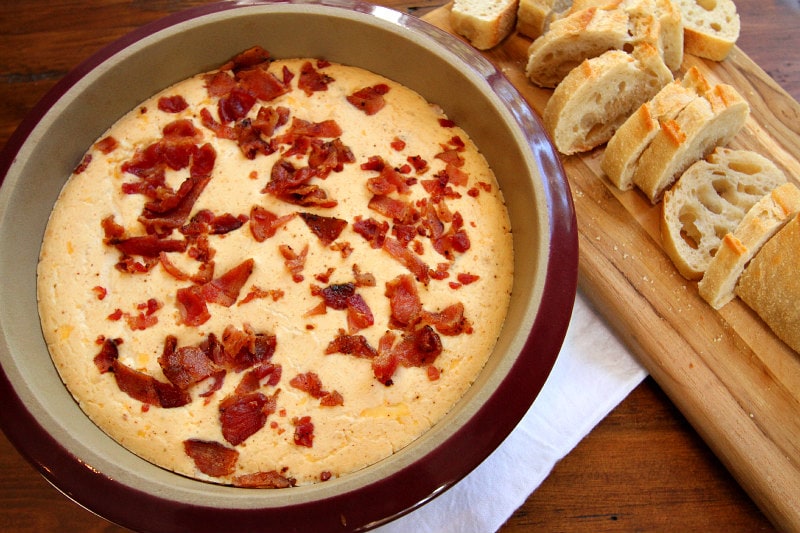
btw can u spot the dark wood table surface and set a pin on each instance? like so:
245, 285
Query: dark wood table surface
643, 468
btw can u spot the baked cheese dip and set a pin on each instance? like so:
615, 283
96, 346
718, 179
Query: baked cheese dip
275, 273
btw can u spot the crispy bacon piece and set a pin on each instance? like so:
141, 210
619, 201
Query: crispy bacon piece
356, 345
404, 301
253, 56
397, 210
465, 278
254, 377
304, 128
389, 181
83, 165
262, 84
192, 307
206, 222
225, 289
303, 431
185, 366
312, 80
269, 119
172, 104
104, 360
294, 262
359, 315
374, 232
235, 105
327, 156
408, 259
147, 389
243, 349
327, 229
172, 211
292, 185
271, 479
211, 458
243, 415
332, 399
449, 321
308, 382
419, 347
369, 99
343, 296
147, 245
264, 223
107, 144
386, 362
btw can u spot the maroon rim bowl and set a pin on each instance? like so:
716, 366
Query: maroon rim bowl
40, 417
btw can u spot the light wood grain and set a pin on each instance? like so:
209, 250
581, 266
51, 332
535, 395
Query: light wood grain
735, 381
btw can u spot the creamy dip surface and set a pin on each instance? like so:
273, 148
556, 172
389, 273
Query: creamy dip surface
275, 273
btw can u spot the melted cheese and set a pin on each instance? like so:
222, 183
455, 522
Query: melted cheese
375, 420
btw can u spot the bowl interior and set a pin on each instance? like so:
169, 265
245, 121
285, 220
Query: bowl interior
443, 70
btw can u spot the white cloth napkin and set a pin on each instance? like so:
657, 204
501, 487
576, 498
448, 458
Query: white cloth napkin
593, 373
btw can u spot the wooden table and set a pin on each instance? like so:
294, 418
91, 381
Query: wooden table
643, 468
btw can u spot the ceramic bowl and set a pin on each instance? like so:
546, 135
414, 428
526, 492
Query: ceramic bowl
40, 417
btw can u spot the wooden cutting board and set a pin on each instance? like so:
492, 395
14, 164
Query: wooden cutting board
736, 383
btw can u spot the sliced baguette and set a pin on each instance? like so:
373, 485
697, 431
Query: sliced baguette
484, 23
623, 150
760, 223
658, 22
596, 98
700, 127
770, 284
571, 40
533, 16
710, 27
710, 200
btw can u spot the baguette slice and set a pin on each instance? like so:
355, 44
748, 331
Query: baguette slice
533, 16
770, 284
571, 40
760, 223
596, 98
710, 27
658, 22
484, 23
710, 200
623, 150
700, 127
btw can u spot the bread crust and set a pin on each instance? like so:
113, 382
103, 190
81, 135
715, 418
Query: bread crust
571, 40
593, 101
711, 199
760, 223
770, 284
700, 127
623, 150
710, 34
484, 24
